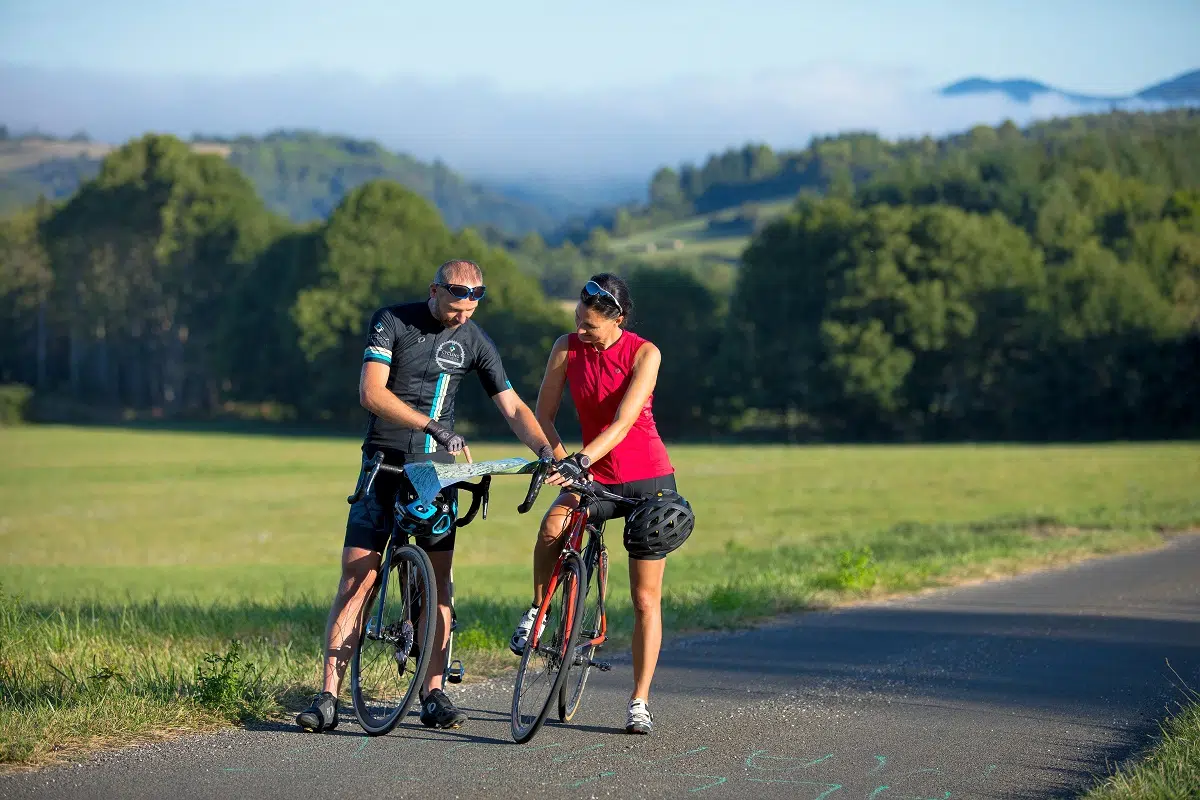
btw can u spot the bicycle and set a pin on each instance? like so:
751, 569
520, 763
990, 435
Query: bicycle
401, 632
576, 628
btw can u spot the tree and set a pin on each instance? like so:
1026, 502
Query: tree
144, 256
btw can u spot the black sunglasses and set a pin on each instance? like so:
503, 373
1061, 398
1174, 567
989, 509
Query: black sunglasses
464, 292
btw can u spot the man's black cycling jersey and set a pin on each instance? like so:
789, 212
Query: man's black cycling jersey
428, 361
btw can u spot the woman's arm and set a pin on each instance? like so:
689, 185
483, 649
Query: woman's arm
641, 386
550, 395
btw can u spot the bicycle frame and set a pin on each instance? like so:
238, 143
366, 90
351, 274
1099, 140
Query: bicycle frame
452, 670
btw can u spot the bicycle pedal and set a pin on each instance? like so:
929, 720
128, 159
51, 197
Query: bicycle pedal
456, 671
603, 666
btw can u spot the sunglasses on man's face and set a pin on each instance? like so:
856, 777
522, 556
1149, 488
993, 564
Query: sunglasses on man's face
464, 292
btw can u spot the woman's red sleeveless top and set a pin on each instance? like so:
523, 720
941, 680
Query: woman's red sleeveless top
598, 380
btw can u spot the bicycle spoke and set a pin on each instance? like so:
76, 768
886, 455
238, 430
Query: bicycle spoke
543, 667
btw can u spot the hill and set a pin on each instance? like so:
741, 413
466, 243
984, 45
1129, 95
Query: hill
1180, 89
299, 174
711, 210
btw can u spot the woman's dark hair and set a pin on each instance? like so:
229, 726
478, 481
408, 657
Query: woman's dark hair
604, 305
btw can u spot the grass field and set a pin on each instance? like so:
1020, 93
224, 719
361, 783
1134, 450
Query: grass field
128, 557
695, 237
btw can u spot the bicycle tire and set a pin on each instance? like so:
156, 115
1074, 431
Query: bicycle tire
561, 642
571, 694
412, 573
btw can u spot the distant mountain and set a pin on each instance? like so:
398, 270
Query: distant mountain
299, 174
1181, 89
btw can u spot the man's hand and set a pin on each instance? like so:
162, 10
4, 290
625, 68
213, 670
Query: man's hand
570, 470
448, 439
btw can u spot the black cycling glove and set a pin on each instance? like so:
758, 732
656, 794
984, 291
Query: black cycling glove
451, 441
573, 467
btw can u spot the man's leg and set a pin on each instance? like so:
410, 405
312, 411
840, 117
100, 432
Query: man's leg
437, 710
360, 567
442, 562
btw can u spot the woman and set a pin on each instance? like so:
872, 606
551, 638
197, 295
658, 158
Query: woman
611, 372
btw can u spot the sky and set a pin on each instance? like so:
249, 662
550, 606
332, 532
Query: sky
518, 88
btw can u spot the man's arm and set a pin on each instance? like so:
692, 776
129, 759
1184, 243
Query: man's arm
374, 396
521, 420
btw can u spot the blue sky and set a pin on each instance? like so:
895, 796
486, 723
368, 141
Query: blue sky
1102, 46
567, 93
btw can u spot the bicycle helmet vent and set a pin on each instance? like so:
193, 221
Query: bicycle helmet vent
431, 521
658, 525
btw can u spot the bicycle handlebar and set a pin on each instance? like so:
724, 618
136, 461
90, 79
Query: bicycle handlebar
590, 489
535, 486
480, 492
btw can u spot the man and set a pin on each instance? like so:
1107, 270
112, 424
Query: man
415, 359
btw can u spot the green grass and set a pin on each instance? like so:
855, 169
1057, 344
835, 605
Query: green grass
129, 558
697, 240
1169, 771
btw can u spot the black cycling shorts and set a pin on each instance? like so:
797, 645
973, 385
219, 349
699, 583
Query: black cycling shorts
370, 520
603, 510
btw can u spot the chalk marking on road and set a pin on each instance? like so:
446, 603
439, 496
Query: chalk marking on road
691, 752
361, 747
589, 779
830, 788
569, 756
719, 780
878, 791
758, 755
450, 750
882, 760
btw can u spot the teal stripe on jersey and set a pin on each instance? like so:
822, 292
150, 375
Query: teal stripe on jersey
380, 354
439, 399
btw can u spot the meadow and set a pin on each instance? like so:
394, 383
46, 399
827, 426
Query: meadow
156, 581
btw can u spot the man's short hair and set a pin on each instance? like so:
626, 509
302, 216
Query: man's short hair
459, 270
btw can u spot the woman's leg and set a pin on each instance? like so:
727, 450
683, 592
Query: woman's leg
549, 542
645, 588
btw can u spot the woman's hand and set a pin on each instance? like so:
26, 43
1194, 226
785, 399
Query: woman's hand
572, 469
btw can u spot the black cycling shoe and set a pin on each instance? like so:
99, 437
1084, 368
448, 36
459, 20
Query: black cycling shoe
321, 716
437, 711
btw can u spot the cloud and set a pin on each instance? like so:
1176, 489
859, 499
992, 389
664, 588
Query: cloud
613, 135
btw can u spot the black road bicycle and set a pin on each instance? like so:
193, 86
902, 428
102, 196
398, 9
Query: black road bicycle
391, 661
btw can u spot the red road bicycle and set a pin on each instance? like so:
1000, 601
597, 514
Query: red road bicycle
571, 624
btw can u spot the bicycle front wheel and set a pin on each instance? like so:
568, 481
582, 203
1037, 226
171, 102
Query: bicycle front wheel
392, 656
580, 666
546, 657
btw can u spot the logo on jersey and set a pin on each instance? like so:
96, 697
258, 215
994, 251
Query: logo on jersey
450, 355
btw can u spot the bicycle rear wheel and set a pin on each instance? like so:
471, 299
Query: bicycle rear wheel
578, 669
544, 667
385, 672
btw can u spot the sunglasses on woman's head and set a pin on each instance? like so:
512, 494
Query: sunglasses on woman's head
464, 292
593, 289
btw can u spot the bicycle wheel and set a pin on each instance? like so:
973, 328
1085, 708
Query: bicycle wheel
385, 672
543, 668
578, 669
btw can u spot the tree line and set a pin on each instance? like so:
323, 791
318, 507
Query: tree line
1036, 286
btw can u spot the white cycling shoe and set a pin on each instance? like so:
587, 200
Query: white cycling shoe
521, 634
639, 719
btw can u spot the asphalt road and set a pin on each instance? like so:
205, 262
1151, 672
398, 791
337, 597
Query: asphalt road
1020, 689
